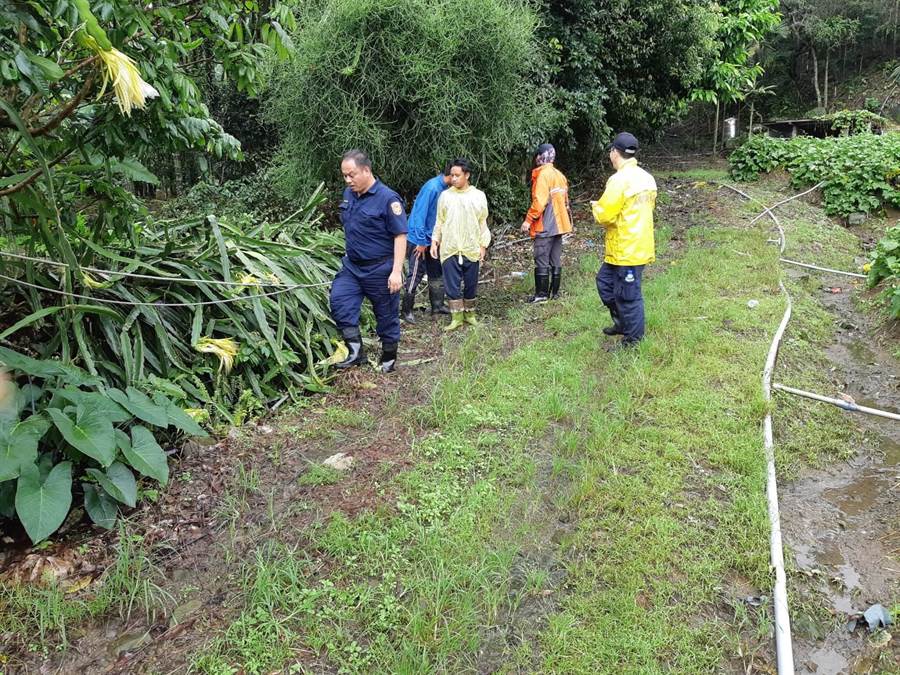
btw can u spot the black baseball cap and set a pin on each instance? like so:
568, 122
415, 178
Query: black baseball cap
625, 143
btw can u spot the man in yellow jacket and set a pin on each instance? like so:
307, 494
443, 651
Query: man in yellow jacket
626, 211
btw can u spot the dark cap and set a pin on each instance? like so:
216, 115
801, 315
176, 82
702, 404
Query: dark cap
625, 143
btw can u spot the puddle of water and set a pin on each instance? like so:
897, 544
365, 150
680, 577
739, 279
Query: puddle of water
891, 451
802, 556
842, 603
831, 556
861, 352
861, 495
826, 662
849, 575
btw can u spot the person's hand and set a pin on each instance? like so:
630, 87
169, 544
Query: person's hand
420, 251
434, 250
526, 227
483, 251
395, 282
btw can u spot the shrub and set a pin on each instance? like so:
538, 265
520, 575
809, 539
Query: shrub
849, 122
63, 426
413, 83
885, 267
197, 341
860, 172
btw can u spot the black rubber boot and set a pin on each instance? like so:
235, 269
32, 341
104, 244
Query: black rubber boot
406, 307
436, 297
356, 355
388, 361
555, 279
541, 285
616, 328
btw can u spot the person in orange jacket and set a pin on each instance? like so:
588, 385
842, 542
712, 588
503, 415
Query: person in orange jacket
547, 220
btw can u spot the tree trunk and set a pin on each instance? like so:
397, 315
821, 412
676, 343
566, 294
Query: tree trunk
843, 74
716, 130
827, 60
896, 21
815, 60
750, 128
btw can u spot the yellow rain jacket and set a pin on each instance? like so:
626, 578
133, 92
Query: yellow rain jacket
461, 227
626, 211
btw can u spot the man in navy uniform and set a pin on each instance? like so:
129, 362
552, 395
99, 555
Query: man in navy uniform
374, 221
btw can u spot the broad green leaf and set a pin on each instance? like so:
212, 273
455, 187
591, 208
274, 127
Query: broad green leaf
101, 508
23, 64
104, 404
145, 455
19, 444
50, 69
42, 506
140, 405
118, 481
45, 368
133, 169
180, 419
91, 432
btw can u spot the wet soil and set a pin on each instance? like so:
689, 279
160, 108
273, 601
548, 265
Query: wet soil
840, 523
232, 495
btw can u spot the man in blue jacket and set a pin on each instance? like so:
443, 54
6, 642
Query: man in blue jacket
374, 220
421, 225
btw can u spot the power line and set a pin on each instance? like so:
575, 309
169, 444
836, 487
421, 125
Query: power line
200, 303
154, 277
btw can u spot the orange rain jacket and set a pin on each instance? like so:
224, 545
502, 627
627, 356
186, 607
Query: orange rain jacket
549, 212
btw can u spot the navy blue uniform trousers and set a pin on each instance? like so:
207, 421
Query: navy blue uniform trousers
460, 278
419, 266
353, 284
623, 297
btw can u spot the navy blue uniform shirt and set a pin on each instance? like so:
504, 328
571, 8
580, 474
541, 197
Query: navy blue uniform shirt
371, 221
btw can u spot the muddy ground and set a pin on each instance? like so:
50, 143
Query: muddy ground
231, 496
841, 522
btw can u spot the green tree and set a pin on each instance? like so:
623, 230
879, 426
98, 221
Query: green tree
87, 93
626, 64
733, 71
69, 135
413, 83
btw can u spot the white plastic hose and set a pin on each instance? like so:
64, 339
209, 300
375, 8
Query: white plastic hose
840, 403
784, 653
822, 269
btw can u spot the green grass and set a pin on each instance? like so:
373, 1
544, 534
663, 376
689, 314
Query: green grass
660, 452
40, 616
318, 474
567, 510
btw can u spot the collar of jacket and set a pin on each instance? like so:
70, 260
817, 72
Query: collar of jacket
536, 170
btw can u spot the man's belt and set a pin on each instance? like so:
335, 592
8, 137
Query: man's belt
369, 263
